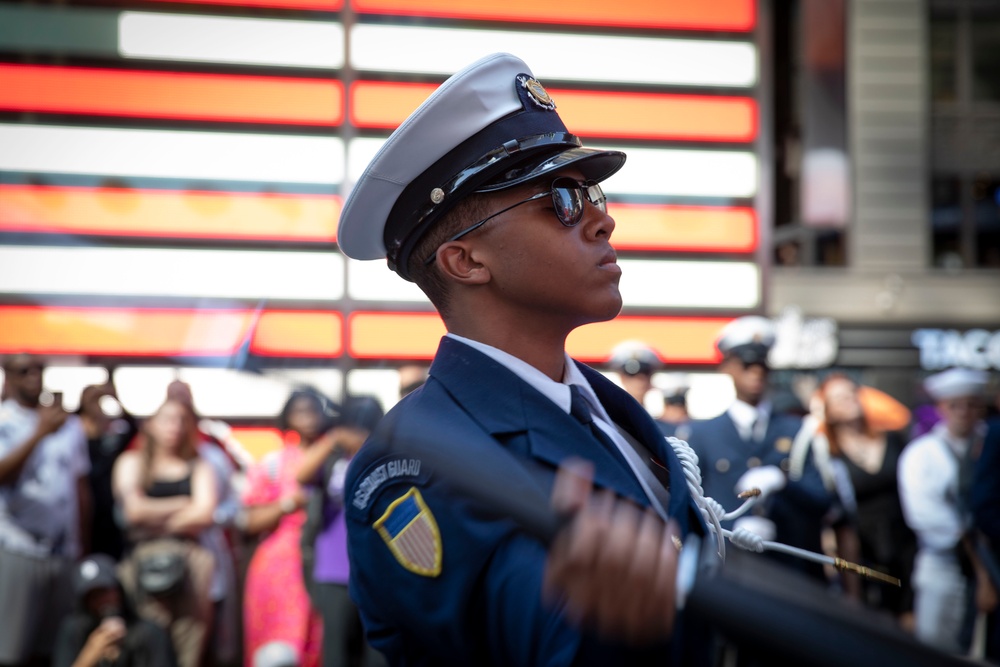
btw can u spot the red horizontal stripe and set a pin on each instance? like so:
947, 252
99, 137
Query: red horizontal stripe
651, 228
677, 340
175, 95
650, 116
169, 214
163, 332
730, 15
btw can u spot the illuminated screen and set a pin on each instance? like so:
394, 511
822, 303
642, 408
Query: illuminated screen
171, 176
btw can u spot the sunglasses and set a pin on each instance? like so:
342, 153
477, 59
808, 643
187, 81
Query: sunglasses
568, 200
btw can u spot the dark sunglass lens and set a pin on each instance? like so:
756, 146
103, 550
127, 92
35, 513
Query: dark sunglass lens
568, 201
596, 196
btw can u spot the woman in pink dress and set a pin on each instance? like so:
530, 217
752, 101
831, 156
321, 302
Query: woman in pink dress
276, 605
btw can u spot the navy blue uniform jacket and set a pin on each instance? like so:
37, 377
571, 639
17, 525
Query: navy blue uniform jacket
472, 594
797, 510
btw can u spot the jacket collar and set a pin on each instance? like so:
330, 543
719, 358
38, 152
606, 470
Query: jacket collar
506, 406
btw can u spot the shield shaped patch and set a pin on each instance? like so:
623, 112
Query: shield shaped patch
409, 530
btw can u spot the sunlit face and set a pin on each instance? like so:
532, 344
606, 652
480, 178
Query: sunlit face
170, 425
23, 377
749, 381
304, 418
961, 414
842, 404
566, 276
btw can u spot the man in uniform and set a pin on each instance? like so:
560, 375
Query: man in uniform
935, 480
485, 200
635, 363
747, 446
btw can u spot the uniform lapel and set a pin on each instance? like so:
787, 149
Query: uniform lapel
633, 417
507, 407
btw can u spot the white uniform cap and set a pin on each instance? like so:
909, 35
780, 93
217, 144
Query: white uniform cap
955, 383
488, 127
748, 330
633, 357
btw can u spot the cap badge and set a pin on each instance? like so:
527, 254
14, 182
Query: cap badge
536, 92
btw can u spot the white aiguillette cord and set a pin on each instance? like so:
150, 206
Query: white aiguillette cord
714, 514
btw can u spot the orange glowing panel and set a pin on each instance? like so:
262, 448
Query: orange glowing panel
734, 15
393, 335
658, 116
684, 228
292, 334
652, 116
678, 340
174, 95
151, 332
168, 214
258, 441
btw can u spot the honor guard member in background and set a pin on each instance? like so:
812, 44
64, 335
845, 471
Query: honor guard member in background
748, 445
935, 481
674, 387
635, 363
485, 200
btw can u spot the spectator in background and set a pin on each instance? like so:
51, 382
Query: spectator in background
674, 388
276, 605
167, 496
104, 629
635, 362
109, 429
44, 512
325, 468
935, 477
411, 376
855, 436
227, 459
749, 444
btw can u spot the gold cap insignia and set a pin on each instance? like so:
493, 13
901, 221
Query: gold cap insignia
536, 92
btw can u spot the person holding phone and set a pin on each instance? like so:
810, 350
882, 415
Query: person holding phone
44, 511
104, 628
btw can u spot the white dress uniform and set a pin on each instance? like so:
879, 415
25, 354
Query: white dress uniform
931, 494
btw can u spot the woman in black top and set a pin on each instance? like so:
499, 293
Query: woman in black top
167, 497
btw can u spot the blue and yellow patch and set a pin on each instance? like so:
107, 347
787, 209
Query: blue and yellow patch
409, 530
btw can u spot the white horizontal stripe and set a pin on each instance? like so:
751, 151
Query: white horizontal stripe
558, 56
236, 274
708, 284
220, 392
253, 41
172, 154
373, 281
647, 171
704, 284
684, 173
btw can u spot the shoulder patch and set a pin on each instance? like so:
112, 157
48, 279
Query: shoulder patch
384, 470
410, 531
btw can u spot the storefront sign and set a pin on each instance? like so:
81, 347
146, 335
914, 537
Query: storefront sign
944, 348
803, 343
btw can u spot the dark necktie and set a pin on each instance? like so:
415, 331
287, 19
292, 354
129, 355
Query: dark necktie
581, 411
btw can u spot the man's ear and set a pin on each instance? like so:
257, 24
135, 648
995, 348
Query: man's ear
457, 261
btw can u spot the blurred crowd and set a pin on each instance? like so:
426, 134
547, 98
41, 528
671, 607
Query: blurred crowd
152, 541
